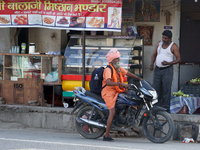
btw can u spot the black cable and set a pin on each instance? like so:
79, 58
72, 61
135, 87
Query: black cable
161, 6
171, 4
172, 7
178, 3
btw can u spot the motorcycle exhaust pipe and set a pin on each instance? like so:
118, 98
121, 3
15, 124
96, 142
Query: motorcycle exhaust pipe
94, 123
90, 122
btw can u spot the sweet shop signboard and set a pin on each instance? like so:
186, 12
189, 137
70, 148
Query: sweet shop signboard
91, 15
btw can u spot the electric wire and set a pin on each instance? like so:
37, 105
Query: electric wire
171, 4
172, 7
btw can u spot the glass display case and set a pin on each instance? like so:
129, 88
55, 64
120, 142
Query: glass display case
47, 67
96, 48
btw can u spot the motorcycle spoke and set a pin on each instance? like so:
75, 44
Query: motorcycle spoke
154, 132
95, 115
156, 118
158, 127
91, 113
160, 123
150, 124
91, 130
163, 132
164, 123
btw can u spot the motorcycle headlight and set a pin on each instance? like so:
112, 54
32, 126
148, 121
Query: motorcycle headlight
154, 94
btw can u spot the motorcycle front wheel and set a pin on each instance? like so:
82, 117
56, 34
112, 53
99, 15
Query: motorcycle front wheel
90, 132
159, 128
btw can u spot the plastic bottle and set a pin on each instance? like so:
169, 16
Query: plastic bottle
96, 80
23, 48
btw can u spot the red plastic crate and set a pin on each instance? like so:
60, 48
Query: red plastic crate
79, 77
75, 77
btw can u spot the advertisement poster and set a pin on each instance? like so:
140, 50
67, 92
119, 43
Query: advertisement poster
92, 15
147, 11
127, 20
127, 16
147, 32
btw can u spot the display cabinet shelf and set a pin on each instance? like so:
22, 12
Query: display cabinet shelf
47, 67
20, 68
131, 49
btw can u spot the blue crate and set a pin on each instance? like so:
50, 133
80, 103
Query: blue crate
191, 89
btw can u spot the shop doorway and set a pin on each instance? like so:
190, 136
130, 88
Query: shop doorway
189, 41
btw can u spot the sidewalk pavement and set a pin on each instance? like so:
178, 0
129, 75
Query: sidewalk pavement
38, 117
57, 118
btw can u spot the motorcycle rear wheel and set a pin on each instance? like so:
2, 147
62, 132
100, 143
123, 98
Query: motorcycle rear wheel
90, 132
162, 130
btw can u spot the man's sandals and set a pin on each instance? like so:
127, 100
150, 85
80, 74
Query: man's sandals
108, 139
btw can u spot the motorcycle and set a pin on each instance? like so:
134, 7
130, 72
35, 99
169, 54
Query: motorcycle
157, 124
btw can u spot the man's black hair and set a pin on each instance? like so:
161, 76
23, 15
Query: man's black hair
167, 33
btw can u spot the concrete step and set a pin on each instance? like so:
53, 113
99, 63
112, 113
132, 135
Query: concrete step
59, 118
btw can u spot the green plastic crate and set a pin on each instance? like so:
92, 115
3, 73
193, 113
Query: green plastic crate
191, 89
68, 94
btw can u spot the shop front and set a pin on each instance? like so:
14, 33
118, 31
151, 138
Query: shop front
35, 35
47, 24
131, 49
189, 82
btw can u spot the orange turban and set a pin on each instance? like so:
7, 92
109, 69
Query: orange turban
112, 54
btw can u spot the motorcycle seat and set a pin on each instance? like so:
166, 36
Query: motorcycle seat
95, 96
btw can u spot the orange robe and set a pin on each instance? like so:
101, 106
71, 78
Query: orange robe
109, 93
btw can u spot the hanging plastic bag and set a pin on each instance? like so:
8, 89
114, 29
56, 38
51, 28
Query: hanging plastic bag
52, 77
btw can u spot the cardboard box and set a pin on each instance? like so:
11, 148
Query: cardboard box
21, 91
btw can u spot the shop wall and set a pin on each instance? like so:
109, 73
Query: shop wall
6, 42
6, 39
45, 39
174, 8
63, 39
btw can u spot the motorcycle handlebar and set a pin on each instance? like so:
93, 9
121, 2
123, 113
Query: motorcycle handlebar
133, 87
